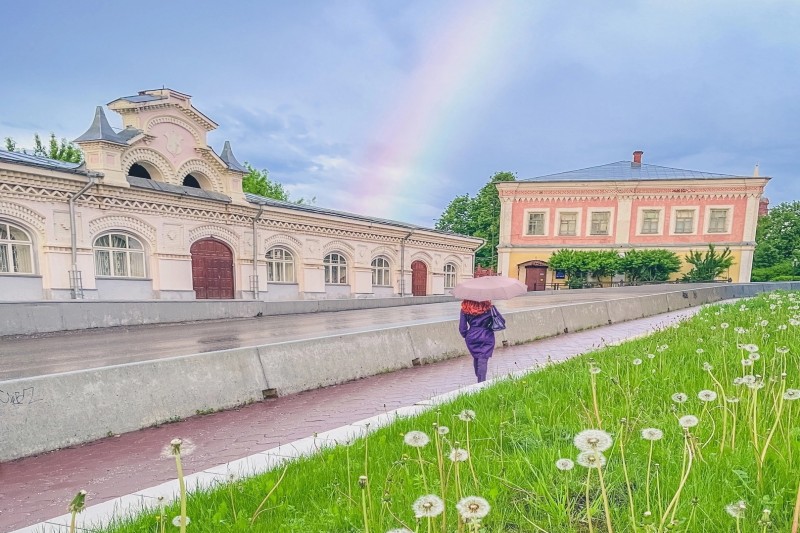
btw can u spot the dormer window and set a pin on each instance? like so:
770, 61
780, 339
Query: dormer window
138, 171
191, 181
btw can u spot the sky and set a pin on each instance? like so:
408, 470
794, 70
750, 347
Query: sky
393, 108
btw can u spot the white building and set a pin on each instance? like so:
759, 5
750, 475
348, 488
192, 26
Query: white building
155, 213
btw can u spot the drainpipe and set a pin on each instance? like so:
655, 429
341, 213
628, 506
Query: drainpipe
254, 282
77, 285
403, 264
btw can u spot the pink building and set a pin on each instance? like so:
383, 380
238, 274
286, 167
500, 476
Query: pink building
622, 206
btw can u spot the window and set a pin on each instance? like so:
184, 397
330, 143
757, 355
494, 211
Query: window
380, 272
568, 223
535, 224
718, 221
684, 221
118, 255
335, 269
16, 250
449, 276
280, 265
600, 222
650, 221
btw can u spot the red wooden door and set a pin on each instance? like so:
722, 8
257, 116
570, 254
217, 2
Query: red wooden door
419, 278
212, 270
536, 278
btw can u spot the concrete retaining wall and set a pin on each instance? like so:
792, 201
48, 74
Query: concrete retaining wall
26, 318
46, 413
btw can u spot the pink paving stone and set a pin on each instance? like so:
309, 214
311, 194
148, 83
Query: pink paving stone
35, 489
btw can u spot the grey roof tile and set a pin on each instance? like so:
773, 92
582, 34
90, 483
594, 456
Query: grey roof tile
230, 159
39, 161
144, 183
129, 133
139, 98
101, 130
627, 171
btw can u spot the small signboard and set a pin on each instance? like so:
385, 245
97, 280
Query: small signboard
560, 274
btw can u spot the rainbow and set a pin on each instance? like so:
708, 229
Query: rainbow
423, 128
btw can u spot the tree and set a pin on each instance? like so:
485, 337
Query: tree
478, 217
709, 265
648, 265
258, 182
777, 238
62, 151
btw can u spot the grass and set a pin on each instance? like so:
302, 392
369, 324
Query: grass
740, 451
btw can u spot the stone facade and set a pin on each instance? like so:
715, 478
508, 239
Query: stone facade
159, 215
623, 206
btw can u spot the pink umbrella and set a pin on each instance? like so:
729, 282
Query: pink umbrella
489, 288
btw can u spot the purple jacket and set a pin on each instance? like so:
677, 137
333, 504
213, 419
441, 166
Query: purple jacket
477, 331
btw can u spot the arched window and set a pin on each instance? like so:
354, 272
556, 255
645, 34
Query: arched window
280, 265
118, 255
380, 272
191, 181
16, 250
335, 269
449, 276
138, 171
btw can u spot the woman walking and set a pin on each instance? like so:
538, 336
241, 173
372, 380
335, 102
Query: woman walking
475, 327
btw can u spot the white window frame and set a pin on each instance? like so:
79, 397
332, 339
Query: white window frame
526, 217
381, 272
578, 221
673, 219
728, 221
112, 251
450, 276
9, 245
278, 265
330, 267
590, 212
640, 221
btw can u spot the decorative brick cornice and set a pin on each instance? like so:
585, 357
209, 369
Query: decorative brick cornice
198, 165
17, 212
123, 222
185, 124
148, 155
216, 232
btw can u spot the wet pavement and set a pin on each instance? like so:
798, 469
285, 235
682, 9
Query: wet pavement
51, 353
35, 489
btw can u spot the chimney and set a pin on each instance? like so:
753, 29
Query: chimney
637, 158
763, 207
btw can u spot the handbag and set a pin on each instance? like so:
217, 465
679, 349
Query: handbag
498, 322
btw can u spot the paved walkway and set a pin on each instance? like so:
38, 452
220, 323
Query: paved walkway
22, 357
38, 488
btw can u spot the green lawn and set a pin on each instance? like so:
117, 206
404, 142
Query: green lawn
523, 426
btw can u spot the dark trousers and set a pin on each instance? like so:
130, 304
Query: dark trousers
480, 364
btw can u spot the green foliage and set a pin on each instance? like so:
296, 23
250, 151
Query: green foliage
258, 182
707, 266
649, 265
778, 235
783, 269
525, 424
62, 151
478, 217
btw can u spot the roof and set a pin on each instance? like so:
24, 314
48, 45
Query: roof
627, 171
260, 200
39, 161
140, 98
144, 183
100, 130
129, 133
230, 159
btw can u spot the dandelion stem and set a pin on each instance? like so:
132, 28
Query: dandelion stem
647, 479
796, 516
627, 478
364, 511
771, 433
606, 506
422, 469
588, 502
182, 486
673, 504
469, 458
594, 401
264, 501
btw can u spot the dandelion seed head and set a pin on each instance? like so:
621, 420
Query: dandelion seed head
652, 434
651, 356
791, 394
594, 370
750, 347
473, 508
637, 361
593, 439
459, 455
707, 367
416, 439
443, 430
740, 330
591, 459
749, 379
467, 415
182, 447
688, 421
747, 362
428, 506
755, 356
707, 395
400, 530
782, 349
679, 397
565, 464
177, 521
736, 510
700, 350
724, 325
732, 399
764, 323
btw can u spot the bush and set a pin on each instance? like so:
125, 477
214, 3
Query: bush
772, 273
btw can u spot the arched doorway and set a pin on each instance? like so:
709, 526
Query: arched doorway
419, 278
535, 275
212, 270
